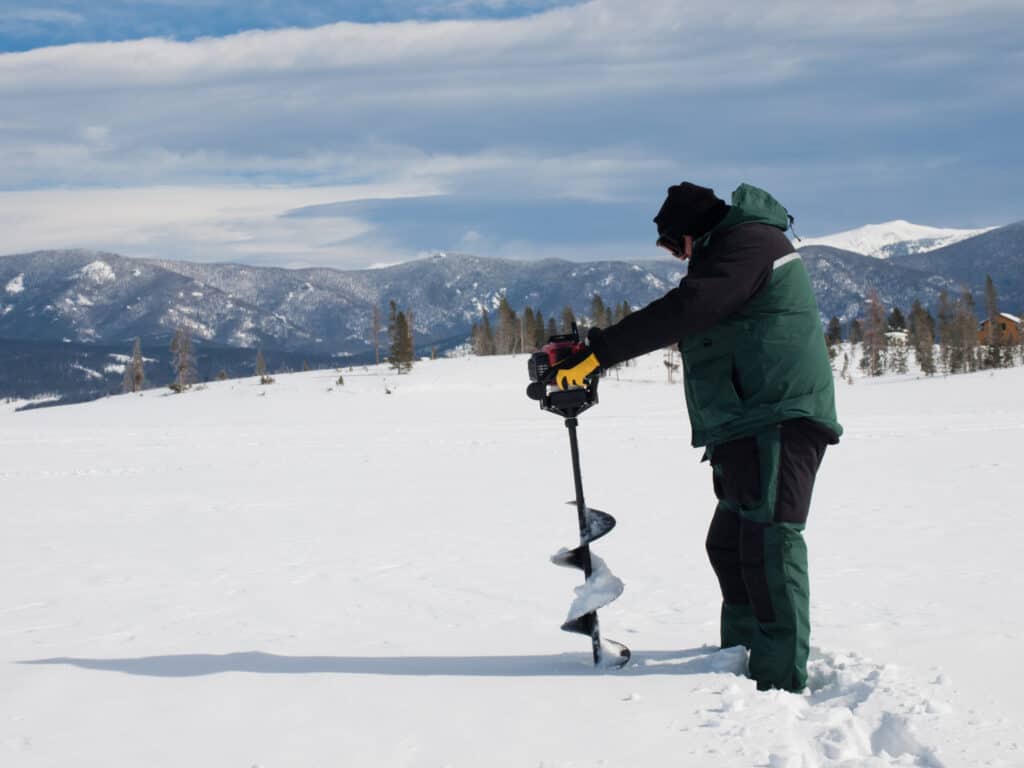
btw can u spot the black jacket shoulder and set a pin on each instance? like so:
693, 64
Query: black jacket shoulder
723, 275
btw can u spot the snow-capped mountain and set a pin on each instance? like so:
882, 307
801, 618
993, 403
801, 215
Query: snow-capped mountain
85, 296
893, 238
81, 307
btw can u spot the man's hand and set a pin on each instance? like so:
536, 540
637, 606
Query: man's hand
573, 371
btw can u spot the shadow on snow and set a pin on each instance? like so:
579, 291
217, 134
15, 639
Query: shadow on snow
685, 662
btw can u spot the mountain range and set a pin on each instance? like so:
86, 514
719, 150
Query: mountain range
84, 308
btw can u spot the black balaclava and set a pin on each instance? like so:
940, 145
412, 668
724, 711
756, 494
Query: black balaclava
689, 210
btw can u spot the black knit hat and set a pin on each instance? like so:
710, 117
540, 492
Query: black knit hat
689, 210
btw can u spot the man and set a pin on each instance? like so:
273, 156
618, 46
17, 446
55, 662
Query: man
760, 398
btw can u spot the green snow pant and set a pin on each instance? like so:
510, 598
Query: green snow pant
755, 543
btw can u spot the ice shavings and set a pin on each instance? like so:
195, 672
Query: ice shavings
601, 588
731, 661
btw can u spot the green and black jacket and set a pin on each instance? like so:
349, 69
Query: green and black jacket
747, 324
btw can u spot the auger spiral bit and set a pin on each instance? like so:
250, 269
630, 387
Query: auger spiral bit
601, 586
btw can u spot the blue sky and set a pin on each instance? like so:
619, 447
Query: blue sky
59, 22
353, 133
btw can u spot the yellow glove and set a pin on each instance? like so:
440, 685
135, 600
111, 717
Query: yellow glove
574, 374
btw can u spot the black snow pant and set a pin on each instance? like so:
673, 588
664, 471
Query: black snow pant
755, 543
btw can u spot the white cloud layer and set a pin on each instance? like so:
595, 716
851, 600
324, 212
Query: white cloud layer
207, 223
199, 147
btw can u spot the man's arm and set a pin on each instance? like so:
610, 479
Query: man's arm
721, 280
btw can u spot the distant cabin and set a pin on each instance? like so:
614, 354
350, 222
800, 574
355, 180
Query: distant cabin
1009, 328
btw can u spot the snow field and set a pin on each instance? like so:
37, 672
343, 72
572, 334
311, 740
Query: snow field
313, 574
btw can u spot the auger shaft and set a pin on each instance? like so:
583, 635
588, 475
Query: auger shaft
584, 549
581, 505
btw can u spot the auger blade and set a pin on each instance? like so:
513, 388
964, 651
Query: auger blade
583, 625
569, 558
598, 524
613, 655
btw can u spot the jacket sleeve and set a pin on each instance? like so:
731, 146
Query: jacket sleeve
719, 283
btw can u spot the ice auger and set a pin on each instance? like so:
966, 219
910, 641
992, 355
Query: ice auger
600, 587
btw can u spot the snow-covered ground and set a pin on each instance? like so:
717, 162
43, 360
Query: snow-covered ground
307, 574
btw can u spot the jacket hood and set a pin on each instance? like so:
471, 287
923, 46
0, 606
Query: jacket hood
752, 204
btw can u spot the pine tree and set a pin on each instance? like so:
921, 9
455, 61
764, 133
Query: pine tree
182, 360
507, 339
400, 356
552, 327
598, 312
401, 344
896, 321
834, 332
856, 334
833, 336
134, 373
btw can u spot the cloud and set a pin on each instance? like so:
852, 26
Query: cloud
501, 126
39, 16
208, 223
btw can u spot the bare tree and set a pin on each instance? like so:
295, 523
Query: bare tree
922, 338
874, 337
261, 368
965, 332
994, 336
568, 319
507, 338
134, 373
671, 366
483, 336
182, 360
